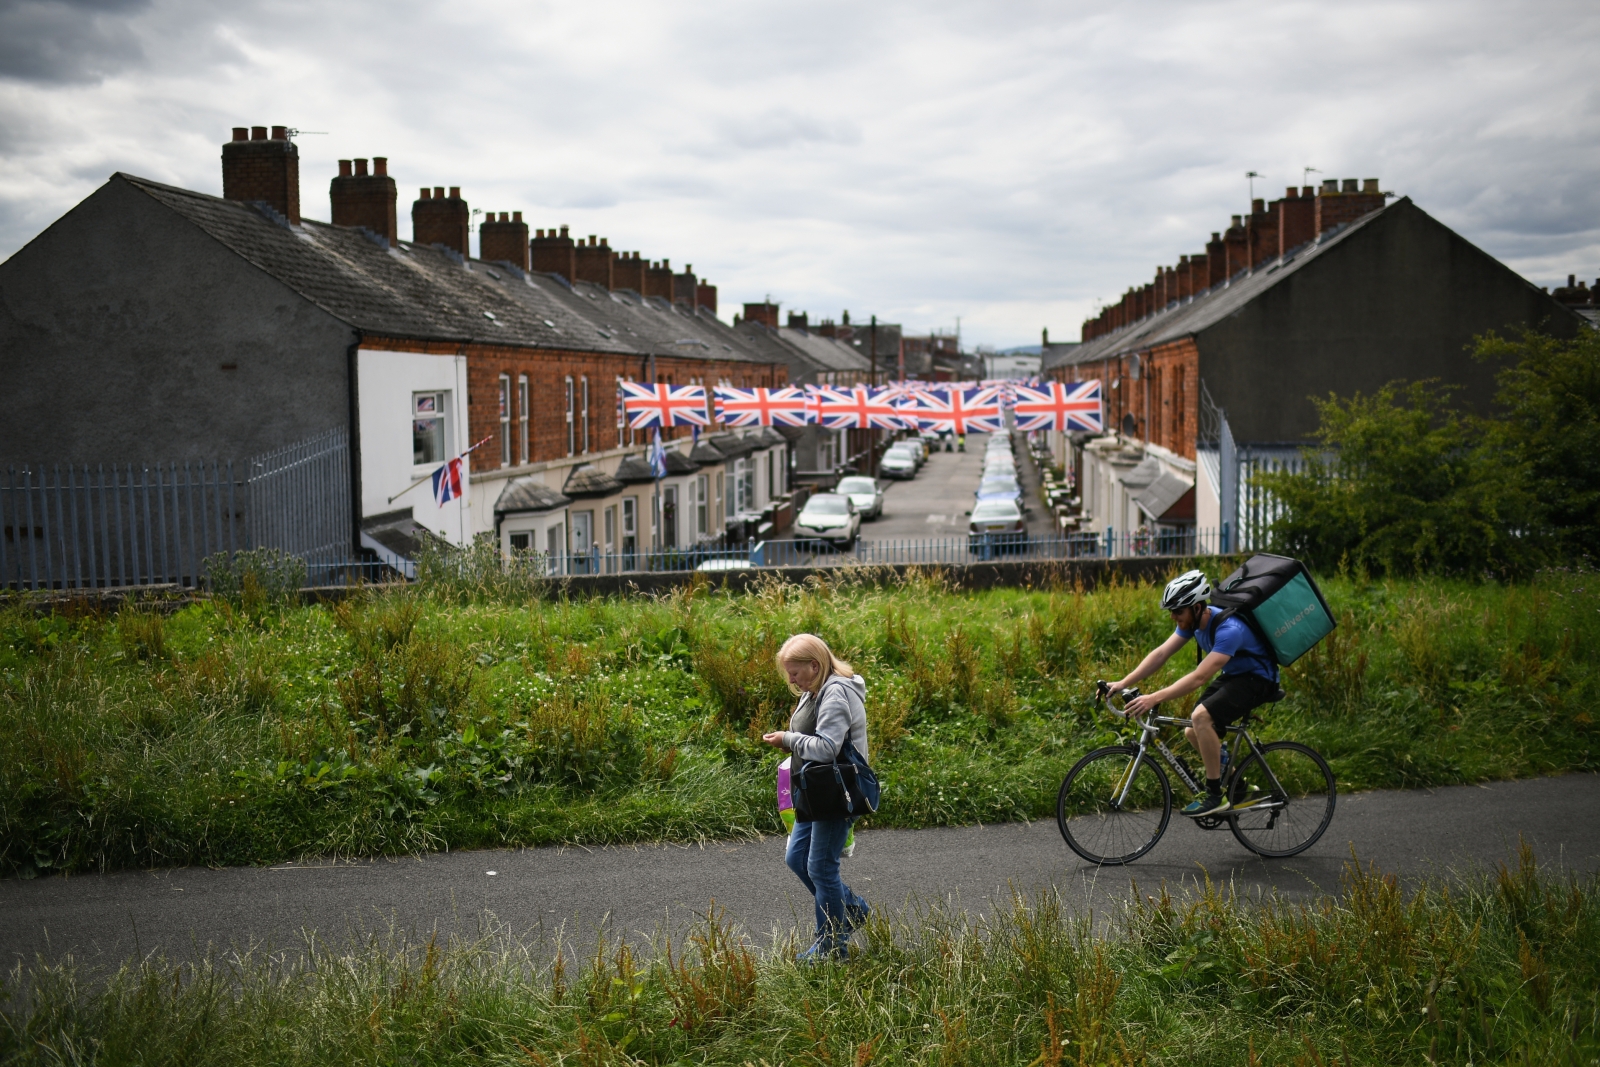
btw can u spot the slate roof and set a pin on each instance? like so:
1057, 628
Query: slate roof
678, 463
828, 353
1213, 305
431, 293
706, 452
587, 480
527, 495
633, 470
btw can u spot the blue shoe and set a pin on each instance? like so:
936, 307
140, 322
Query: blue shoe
1206, 805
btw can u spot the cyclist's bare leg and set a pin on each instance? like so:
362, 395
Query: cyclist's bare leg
1205, 741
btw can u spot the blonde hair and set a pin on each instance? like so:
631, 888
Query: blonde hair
809, 648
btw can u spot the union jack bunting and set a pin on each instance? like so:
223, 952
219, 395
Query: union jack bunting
961, 411
761, 407
664, 405
858, 408
1060, 406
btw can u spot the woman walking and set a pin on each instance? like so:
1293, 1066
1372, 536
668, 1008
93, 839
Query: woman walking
832, 713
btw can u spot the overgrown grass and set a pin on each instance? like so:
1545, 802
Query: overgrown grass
1503, 969
240, 731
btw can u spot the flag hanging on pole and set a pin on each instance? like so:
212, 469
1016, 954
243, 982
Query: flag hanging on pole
658, 456
447, 480
664, 405
1060, 406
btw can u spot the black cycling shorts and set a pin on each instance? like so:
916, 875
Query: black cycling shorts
1228, 697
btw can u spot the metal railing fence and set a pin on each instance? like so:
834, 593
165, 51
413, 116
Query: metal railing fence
1174, 542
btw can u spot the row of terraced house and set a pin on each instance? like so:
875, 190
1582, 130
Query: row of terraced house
1210, 372
333, 367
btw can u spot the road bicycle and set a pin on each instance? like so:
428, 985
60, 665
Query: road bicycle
1116, 802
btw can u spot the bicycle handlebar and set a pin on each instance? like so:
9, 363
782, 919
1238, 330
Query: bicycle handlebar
1103, 692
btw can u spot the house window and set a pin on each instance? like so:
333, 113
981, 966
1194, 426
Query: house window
428, 428
522, 413
701, 505
749, 486
622, 415
572, 428
521, 542
772, 481
586, 413
505, 420
725, 494
555, 539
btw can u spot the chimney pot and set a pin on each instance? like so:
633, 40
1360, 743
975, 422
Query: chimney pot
241, 133
258, 133
504, 216
1291, 193
563, 231
516, 216
1572, 281
380, 166
344, 168
426, 193
1350, 185
1330, 186
1236, 220
455, 192
438, 192
1257, 206
1308, 191
280, 133
1215, 236
1369, 185
591, 240
361, 168
539, 234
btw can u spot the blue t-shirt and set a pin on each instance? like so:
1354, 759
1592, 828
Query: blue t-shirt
1235, 638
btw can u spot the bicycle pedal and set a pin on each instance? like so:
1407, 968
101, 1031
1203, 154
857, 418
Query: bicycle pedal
1210, 822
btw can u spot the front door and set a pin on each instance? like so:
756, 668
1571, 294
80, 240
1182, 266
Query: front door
582, 542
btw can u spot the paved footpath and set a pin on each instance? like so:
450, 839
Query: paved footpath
635, 891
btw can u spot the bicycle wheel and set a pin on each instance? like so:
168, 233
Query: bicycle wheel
1092, 821
1283, 812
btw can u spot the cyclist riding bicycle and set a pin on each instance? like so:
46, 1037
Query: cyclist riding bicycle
1249, 677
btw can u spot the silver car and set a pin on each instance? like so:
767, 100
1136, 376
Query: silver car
828, 517
865, 493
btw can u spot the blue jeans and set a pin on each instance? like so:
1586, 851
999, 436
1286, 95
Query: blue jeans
813, 856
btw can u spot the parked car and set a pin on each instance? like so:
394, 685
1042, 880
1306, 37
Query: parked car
999, 469
996, 525
829, 517
865, 493
912, 448
897, 463
999, 487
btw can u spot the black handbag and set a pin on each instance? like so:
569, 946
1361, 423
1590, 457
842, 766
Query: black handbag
837, 790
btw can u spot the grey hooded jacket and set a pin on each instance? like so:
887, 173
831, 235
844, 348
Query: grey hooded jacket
819, 727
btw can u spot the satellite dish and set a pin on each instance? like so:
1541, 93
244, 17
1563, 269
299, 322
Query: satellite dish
1130, 425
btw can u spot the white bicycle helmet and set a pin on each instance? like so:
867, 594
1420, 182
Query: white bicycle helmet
1187, 589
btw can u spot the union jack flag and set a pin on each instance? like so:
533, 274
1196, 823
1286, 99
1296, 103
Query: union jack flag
858, 408
961, 411
447, 482
664, 405
1060, 406
761, 407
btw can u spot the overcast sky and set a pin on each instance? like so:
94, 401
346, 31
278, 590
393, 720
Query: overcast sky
1008, 163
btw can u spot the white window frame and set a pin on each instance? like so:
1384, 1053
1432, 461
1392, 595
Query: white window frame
702, 505
522, 414
585, 381
571, 426
441, 412
505, 420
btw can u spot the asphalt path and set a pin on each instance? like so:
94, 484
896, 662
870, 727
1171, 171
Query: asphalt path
537, 895
935, 503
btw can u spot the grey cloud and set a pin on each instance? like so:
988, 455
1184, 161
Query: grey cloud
62, 41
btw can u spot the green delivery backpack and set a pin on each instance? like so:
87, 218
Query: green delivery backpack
1280, 600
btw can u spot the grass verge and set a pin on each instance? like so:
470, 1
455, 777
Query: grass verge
245, 731
1500, 969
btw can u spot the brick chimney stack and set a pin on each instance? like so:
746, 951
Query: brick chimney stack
683, 286
658, 280
362, 199
256, 167
799, 320
1335, 205
554, 253
628, 272
595, 262
504, 239
705, 296
766, 314
1262, 233
441, 220
1296, 218
1235, 248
